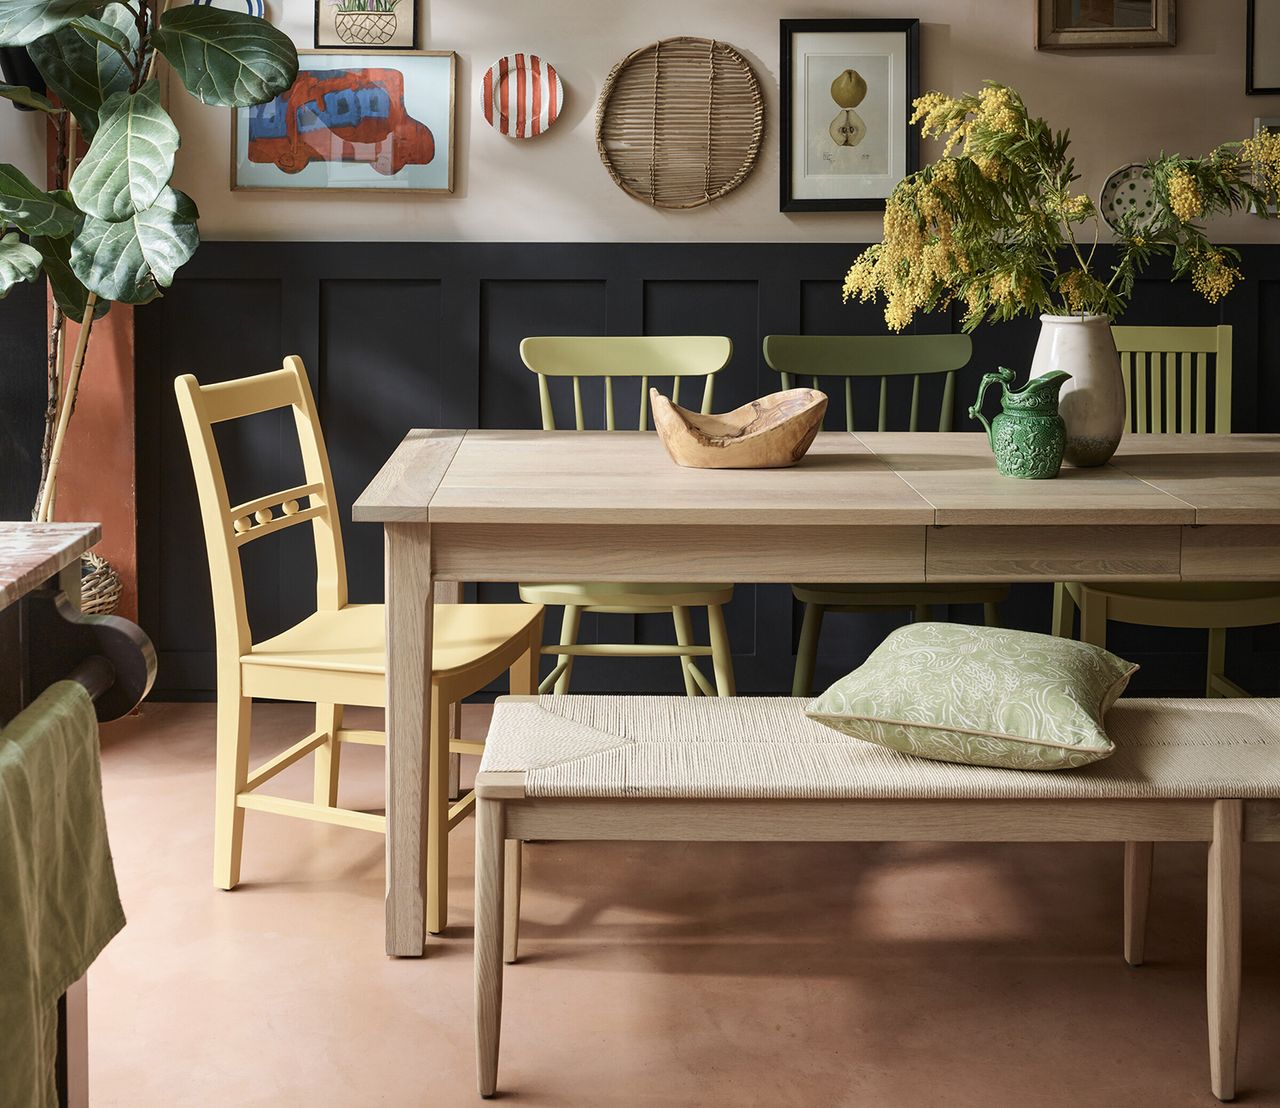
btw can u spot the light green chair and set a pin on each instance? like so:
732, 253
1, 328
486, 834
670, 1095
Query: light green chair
886, 357
647, 358
1173, 386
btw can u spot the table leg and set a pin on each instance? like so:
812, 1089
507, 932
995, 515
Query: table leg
409, 612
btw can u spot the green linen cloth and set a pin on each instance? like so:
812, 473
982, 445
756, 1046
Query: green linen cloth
58, 900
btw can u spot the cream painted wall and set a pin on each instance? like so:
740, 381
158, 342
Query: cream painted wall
1119, 105
22, 141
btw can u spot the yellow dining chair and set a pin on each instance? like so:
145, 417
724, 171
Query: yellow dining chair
1177, 380
847, 358
645, 358
335, 656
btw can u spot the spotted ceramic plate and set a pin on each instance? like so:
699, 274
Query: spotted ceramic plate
1129, 189
522, 95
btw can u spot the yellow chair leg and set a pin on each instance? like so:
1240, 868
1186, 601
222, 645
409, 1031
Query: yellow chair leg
438, 816
511, 901
1064, 611
570, 622
721, 651
328, 756
807, 650
234, 718
683, 621
524, 670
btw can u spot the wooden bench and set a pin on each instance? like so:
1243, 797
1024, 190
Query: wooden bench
756, 769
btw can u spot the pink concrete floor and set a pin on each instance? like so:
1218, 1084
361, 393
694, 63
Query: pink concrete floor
893, 976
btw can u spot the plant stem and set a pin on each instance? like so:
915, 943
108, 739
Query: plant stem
72, 386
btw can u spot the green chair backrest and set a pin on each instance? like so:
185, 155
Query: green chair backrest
607, 357
1167, 378
882, 356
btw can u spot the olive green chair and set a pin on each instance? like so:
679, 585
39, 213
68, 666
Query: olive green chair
1177, 380
888, 358
676, 358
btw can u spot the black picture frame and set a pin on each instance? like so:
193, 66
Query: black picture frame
787, 29
399, 43
1249, 43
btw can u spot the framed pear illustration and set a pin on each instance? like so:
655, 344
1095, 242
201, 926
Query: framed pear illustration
848, 91
847, 87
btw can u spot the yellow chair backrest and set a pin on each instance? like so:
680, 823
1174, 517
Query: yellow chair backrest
1169, 379
610, 356
228, 527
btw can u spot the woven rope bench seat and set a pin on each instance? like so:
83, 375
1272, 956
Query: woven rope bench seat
767, 748
755, 769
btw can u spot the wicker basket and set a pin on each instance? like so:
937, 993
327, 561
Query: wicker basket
680, 122
100, 586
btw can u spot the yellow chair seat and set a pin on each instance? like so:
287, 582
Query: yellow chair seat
627, 596
352, 639
897, 596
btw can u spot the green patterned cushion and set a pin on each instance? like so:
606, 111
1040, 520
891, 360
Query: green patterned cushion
984, 696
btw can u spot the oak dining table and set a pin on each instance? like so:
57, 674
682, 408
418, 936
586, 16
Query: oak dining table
493, 505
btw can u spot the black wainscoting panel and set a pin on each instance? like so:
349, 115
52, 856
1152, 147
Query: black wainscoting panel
23, 392
380, 370
397, 335
510, 310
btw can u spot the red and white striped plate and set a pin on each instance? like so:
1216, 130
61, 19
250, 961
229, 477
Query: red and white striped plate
522, 95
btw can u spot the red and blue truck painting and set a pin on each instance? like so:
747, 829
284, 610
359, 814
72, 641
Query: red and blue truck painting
340, 115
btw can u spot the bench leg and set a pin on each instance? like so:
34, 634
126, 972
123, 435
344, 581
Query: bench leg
1137, 894
1224, 946
490, 820
511, 901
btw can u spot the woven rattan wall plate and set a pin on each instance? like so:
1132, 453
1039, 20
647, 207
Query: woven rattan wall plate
680, 122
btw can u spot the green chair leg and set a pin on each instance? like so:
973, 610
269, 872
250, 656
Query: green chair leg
721, 652
991, 614
1064, 611
807, 650
921, 613
683, 621
569, 625
1217, 660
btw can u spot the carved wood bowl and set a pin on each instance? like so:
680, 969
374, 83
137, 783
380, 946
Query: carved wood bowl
769, 433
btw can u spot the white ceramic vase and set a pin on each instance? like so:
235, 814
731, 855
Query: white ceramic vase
1092, 402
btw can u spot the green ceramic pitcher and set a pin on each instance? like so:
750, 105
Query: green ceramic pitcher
1028, 436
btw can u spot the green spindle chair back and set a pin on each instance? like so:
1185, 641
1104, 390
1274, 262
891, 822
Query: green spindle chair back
1170, 373
648, 357
871, 356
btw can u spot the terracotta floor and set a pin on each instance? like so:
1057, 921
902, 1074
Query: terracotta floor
893, 976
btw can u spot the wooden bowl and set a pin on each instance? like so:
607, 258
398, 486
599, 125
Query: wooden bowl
768, 433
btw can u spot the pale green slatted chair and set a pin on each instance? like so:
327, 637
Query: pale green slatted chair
656, 358
1177, 380
887, 357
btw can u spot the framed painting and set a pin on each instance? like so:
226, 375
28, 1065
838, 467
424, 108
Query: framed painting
366, 24
847, 87
1094, 24
1262, 48
354, 120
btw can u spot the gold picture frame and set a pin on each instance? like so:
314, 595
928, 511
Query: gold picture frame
1098, 24
275, 149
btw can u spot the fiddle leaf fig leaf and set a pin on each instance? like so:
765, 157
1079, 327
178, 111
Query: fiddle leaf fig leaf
226, 58
82, 69
24, 21
18, 262
133, 259
130, 159
71, 296
20, 94
32, 210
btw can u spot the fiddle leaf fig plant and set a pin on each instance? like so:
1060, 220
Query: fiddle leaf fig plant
113, 228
